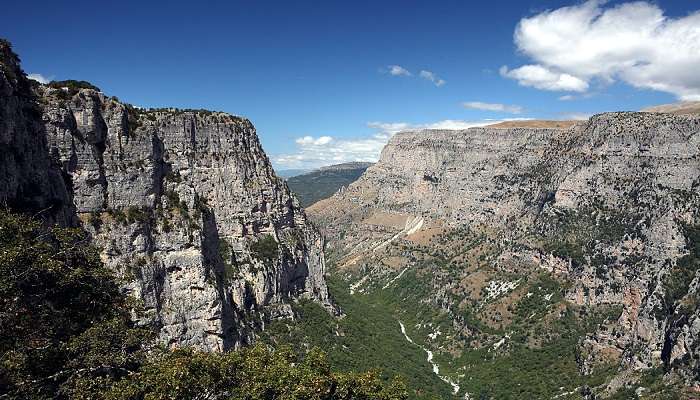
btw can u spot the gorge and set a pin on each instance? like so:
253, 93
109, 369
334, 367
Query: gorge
494, 263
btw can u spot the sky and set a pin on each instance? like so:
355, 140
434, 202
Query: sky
329, 81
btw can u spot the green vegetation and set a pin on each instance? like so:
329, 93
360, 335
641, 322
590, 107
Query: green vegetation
252, 374
265, 249
226, 254
368, 336
133, 118
73, 85
653, 388
536, 305
130, 215
677, 281
526, 370
66, 333
320, 184
526, 343
574, 234
65, 322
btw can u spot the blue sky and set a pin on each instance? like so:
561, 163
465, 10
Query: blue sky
320, 79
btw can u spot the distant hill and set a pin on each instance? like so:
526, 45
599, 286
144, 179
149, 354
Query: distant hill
534, 123
288, 173
324, 182
688, 107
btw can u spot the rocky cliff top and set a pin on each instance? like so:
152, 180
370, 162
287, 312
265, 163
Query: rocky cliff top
346, 166
686, 107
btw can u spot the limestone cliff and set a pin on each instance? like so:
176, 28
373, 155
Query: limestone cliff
183, 204
29, 179
609, 207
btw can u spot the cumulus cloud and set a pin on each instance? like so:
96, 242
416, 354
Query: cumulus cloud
39, 78
314, 152
540, 77
497, 107
432, 78
633, 42
309, 140
398, 70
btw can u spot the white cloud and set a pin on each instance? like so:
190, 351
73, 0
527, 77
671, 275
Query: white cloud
498, 107
540, 77
309, 140
314, 152
432, 78
576, 116
633, 42
398, 70
39, 78
454, 125
566, 97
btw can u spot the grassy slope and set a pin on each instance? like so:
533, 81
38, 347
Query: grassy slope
367, 337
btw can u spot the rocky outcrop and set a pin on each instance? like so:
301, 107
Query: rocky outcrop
609, 205
183, 204
29, 180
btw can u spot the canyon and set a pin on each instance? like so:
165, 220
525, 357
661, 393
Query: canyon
552, 260
527, 232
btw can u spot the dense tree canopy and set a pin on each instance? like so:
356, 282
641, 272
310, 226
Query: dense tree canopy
62, 317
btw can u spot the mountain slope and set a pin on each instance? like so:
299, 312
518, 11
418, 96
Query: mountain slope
288, 173
686, 107
323, 182
570, 246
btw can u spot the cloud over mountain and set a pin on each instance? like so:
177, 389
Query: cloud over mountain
313, 152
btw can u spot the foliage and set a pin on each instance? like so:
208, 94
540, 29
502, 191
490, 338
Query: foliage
227, 257
265, 249
677, 281
253, 373
368, 336
137, 214
64, 320
133, 118
73, 85
653, 387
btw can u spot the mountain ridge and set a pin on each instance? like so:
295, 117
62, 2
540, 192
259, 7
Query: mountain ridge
324, 181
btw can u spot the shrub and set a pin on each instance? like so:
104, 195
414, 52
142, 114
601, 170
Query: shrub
137, 214
73, 85
65, 320
253, 373
265, 249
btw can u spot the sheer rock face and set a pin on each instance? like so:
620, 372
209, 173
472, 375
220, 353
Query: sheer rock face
184, 205
29, 179
628, 182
